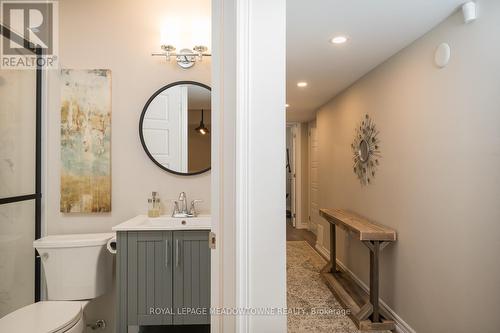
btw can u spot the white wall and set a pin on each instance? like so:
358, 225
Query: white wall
438, 181
120, 35
260, 175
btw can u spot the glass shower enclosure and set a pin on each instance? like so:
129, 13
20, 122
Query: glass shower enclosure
20, 181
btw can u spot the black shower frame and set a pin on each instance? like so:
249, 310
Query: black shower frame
37, 196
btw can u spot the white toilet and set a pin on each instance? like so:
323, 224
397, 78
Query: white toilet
78, 268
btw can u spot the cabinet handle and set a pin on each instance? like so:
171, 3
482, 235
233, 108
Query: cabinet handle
167, 256
177, 253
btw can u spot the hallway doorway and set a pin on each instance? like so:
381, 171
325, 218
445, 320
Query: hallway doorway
291, 184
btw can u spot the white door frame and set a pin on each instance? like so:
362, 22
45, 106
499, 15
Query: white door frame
292, 155
248, 118
222, 281
312, 226
297, 157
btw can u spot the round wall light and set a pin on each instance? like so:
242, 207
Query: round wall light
339, 39
302, 84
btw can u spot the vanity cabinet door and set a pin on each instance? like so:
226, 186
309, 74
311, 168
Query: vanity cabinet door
149, 278
191, 277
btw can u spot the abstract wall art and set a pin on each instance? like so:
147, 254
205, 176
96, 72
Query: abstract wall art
366, 150
85, 141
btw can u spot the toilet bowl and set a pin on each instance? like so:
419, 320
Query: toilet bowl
46, 317
77, 269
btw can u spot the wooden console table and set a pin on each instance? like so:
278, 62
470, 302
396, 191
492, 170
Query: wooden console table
364, 309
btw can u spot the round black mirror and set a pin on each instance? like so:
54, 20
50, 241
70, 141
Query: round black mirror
175, 128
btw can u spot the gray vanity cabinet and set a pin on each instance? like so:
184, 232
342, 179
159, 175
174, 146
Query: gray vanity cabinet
163, 278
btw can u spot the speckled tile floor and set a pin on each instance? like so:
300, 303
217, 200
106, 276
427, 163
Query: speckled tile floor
315, 309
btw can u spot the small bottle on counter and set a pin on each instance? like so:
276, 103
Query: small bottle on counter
154, 205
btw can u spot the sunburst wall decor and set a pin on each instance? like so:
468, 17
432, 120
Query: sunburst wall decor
365, 150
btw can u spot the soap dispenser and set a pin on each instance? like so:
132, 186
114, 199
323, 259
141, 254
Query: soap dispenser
154, 205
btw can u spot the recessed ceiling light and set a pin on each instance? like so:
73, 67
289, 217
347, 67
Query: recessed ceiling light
339, 39
287, 105
302, 84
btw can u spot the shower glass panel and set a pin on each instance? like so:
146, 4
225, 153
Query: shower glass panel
17, 132
17, 269
20, 169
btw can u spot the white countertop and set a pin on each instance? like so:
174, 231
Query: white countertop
165, 222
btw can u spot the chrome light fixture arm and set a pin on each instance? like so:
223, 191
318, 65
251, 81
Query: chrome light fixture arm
185, 58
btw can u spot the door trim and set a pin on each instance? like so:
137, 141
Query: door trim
312, 226
243, 162
248, 109
297, 191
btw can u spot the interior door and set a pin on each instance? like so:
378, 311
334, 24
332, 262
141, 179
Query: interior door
20, 185
314, 181
165, 128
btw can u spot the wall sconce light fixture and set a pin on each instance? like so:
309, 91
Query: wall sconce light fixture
185, 58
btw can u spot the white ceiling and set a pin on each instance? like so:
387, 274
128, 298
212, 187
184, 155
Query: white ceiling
198, 97
377, 29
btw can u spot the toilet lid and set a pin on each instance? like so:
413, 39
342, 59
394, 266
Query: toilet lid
42, 317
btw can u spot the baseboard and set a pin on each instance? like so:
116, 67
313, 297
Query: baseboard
313, 228
322, 251
401, 325
301, 225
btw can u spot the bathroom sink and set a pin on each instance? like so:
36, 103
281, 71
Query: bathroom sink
180, 221
165, 222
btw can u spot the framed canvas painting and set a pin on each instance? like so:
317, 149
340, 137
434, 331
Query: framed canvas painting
85, 141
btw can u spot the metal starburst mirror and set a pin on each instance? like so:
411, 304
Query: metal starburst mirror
365, 150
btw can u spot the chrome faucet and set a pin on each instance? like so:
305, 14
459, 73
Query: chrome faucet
183, 203
192, 210
181, 207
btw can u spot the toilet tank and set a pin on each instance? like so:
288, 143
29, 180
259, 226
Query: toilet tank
76, 267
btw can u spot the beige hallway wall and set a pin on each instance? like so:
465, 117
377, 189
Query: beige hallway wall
438, 183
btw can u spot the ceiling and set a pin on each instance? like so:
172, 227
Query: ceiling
198, 97
377, 29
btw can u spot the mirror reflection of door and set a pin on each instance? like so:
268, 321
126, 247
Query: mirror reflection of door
163, 128
176, 126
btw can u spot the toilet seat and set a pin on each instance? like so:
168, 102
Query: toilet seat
43, 317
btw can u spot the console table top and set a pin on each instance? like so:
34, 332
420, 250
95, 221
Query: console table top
366, 230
